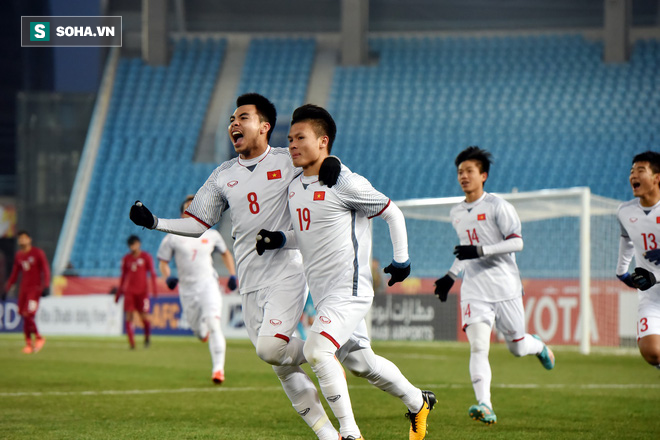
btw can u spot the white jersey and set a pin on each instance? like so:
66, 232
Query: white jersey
256, 191
640, 227
332, 229
486, 221
192, 256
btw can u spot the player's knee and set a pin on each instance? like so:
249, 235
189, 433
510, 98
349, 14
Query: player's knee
271, 349
516, 348
315, 354
652, 357
362, 363
213, 324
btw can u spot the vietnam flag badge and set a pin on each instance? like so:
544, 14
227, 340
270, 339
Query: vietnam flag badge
319, 195
481, 217
272, 175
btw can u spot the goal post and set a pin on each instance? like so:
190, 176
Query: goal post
568, 262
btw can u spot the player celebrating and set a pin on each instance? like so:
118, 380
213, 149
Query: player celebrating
331, 227
133, 285
273, 288
199, 290
31, 262
640, 236
489, 231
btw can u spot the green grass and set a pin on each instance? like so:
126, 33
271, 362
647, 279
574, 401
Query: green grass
93, 388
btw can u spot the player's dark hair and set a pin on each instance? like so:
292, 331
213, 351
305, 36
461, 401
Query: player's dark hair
189, 197
265, 109
22, 232
651, 157
482, 157
320, 119
133, 239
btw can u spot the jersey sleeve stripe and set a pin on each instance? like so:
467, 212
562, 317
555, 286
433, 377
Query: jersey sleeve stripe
331, 339
201, 221
281, 336
512, 236
381, 211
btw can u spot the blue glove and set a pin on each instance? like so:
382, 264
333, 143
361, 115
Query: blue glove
399, 271
172, 282
627, 280
653, 256
232, 282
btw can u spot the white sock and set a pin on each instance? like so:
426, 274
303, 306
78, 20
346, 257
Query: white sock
479, 336
302, 393
384, 375
320, 353
217, 344
526, 346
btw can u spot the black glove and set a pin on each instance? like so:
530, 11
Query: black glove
45, 292
171, 282
329, 172
468, 252
442, 286
232, 282
269, 240
653, 256
643, 279
399, 272
141, 216
626, 279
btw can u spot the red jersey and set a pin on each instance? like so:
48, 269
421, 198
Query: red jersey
134, 274
34, 269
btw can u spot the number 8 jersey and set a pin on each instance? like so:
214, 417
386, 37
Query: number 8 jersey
256, 192
488, 221
640, 232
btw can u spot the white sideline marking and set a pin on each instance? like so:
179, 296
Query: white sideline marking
594, 386
125, 392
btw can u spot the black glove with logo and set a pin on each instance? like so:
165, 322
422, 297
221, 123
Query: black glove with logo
643, 279
442, 286
141, 216
269, 240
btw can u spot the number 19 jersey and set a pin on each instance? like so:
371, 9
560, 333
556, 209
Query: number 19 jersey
488, 220
256, 192
332, 229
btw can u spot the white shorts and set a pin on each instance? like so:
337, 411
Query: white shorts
275, 310
199, 301
648, 319
339, 317
508, 316
358, 341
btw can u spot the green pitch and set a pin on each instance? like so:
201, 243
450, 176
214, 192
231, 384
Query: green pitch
89, 388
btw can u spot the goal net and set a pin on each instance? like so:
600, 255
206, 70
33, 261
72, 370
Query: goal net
567, 265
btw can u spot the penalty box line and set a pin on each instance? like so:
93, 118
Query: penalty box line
604, 386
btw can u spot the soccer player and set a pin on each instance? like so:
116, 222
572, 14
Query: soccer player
640, 236
31, 263
198, 288
133, 285
272, 288
489, 231
331, 227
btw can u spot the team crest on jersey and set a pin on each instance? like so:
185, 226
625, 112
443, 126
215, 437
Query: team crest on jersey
632, 219
324, 319
232, 184
272, 175
481, 217
319, 195
275, 322
291, 194
657, 219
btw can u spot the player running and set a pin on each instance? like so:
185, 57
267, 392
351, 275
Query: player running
199, 290
331, 227
640, 236
489, 231
133, 286
31, 263
273, 288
